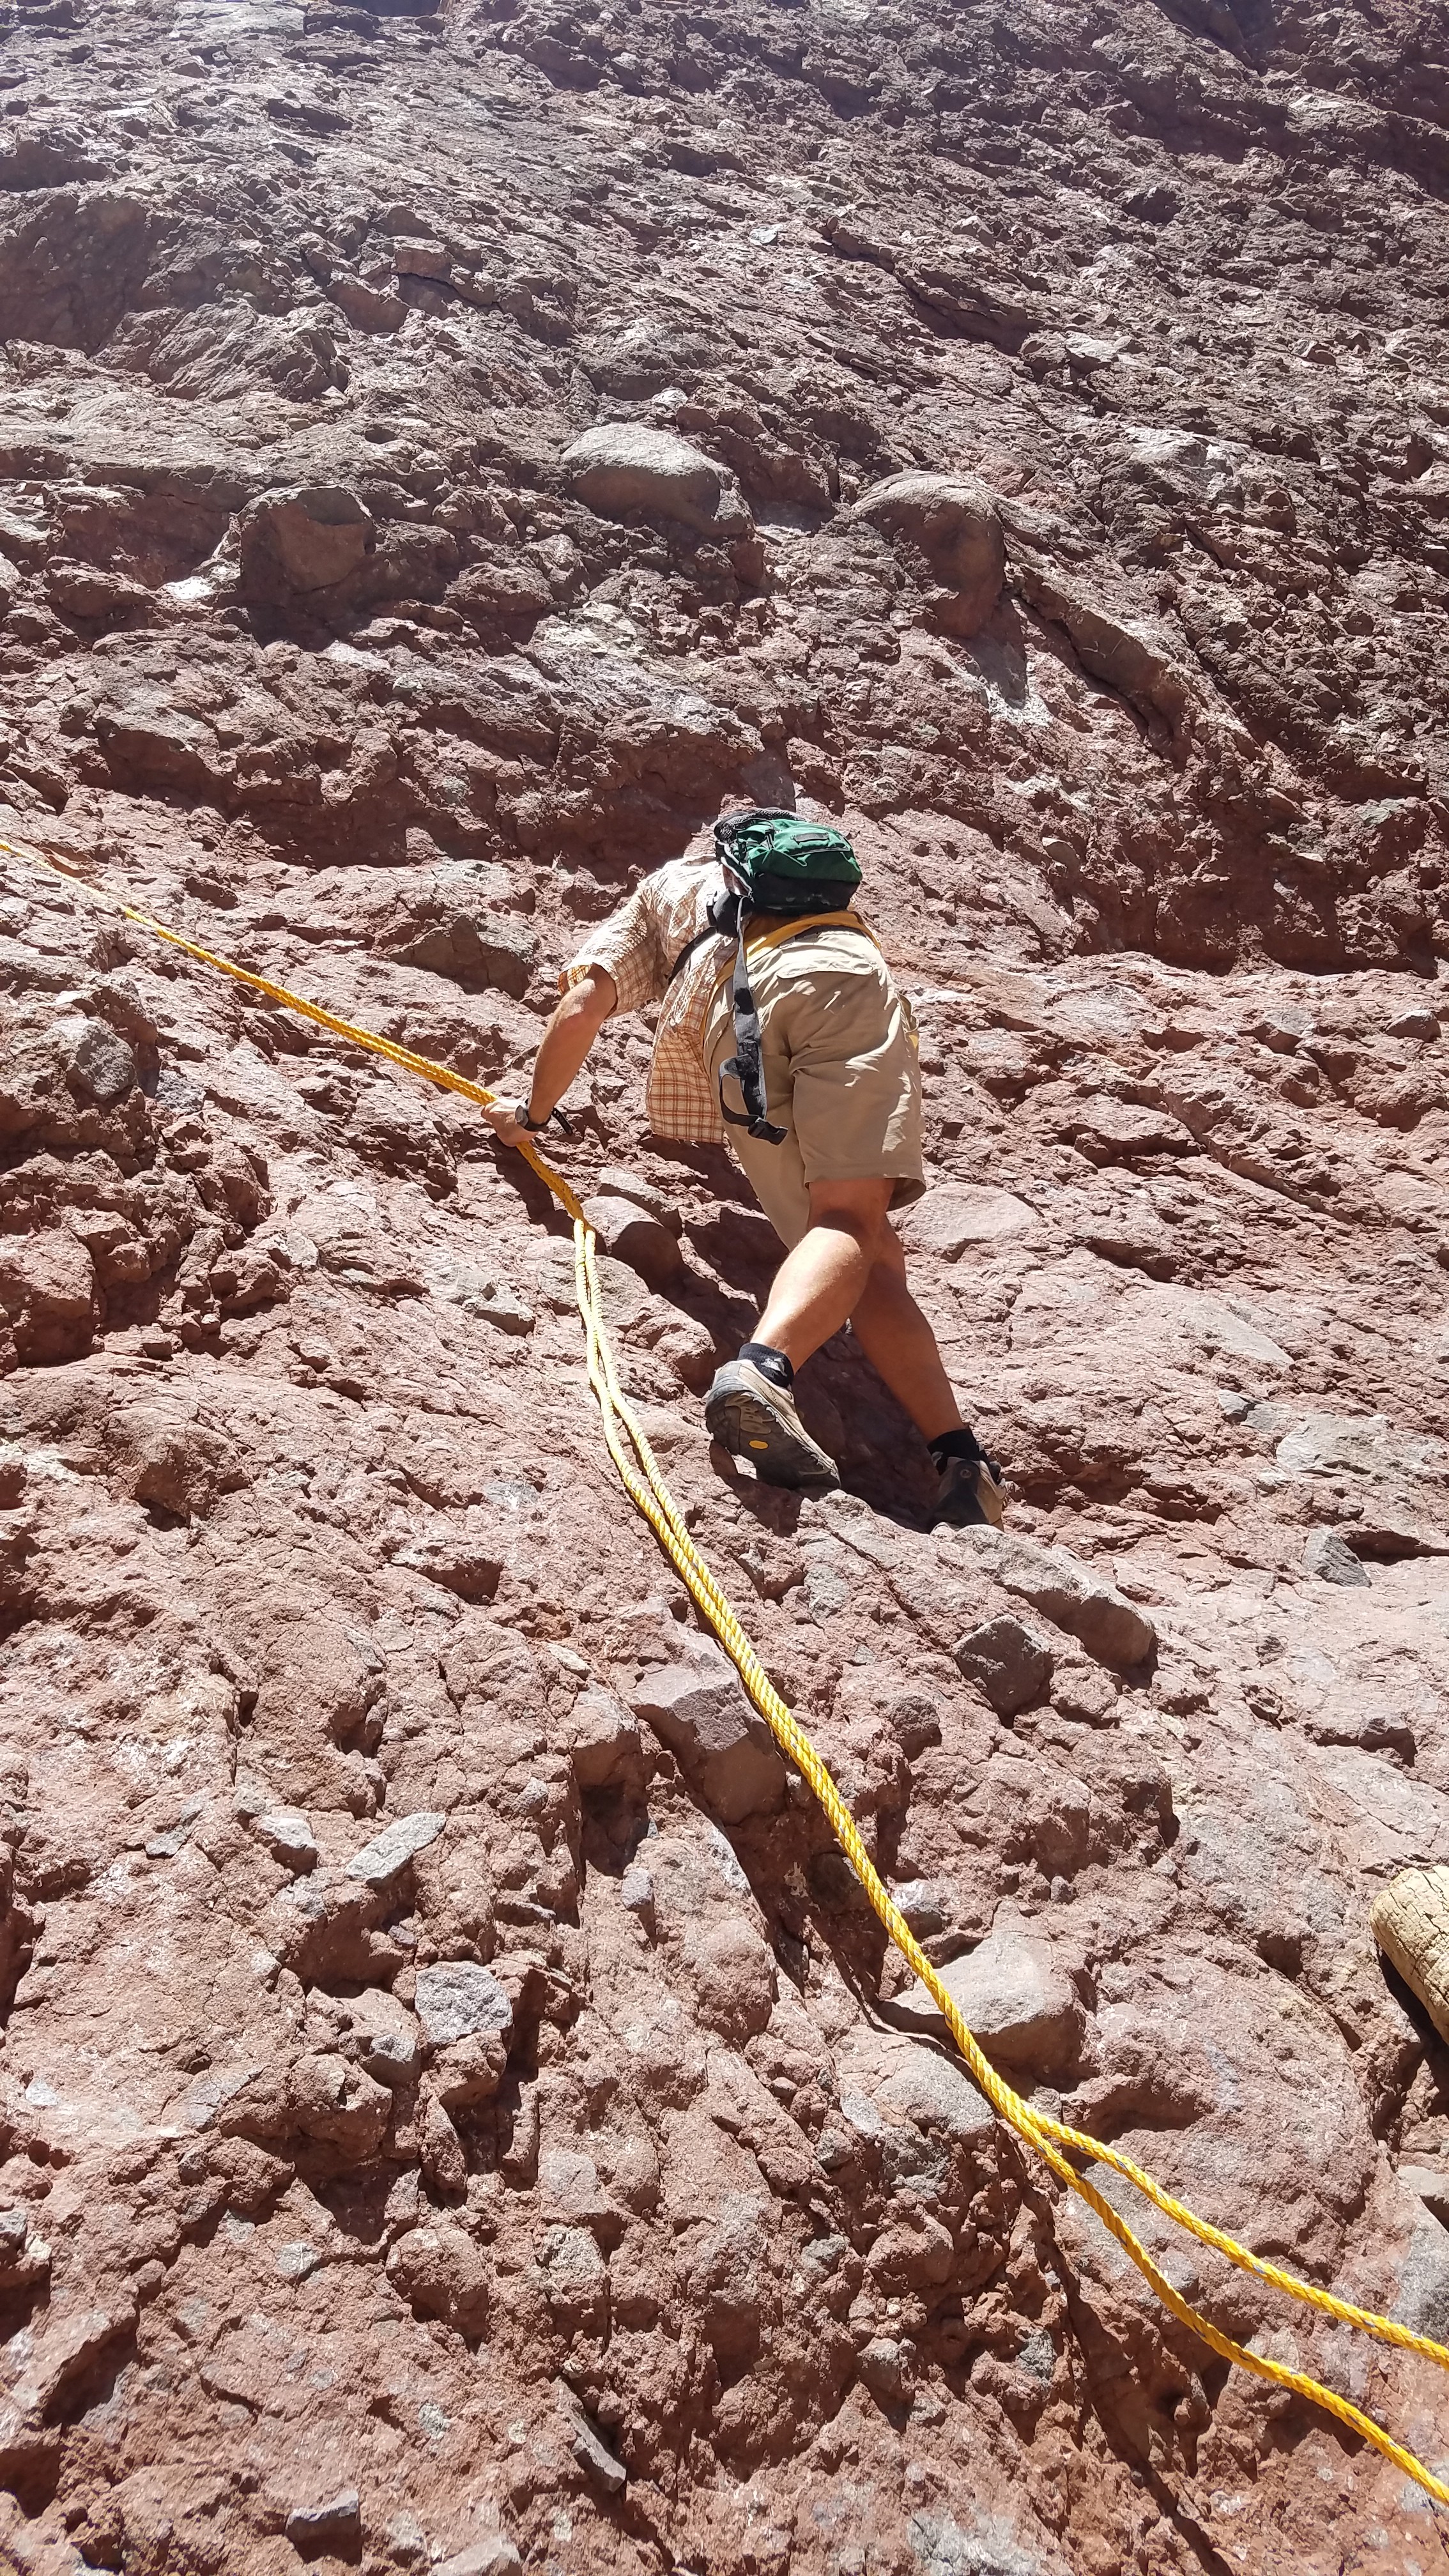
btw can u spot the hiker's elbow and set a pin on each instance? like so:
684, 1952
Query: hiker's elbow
592, 999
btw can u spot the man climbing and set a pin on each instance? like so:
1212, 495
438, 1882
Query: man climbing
810, 1036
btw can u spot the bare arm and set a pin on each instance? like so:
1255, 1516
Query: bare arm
576, 1022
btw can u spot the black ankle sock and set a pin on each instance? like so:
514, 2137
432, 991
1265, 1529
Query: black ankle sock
770, 1363
954, 1444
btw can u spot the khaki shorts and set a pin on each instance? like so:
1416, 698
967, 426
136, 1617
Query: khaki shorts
841, 1062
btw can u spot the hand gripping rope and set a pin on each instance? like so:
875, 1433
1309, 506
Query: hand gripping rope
642, 1480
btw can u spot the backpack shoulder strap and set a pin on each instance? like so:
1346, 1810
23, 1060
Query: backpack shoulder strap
746, 1065
687, 951
722, 923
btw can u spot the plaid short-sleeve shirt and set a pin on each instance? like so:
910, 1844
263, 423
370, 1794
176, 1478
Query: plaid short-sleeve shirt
637, 946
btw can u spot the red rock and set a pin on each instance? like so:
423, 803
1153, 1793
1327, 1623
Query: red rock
1000, 510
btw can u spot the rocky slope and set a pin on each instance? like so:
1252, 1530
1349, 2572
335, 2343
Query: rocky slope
453, 2104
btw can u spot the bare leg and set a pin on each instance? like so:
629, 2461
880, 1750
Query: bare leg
849, 1267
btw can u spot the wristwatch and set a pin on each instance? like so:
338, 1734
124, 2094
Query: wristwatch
535, 1126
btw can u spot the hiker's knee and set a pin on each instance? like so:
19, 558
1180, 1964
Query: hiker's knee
860, 1209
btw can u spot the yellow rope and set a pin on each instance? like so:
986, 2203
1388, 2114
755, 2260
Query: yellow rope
643, 1481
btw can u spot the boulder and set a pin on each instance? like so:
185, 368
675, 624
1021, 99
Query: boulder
288, 1837
303, 539
697, 1706
492, 2557
622, 466
339, 2104
1065, 1591
480, 951
946, 529
1010, 1662
632, 1235
387, 2036
936, 2092
1014, 1996
441, 2273
1133, 654
457, 1999
96, 1062
616, 1183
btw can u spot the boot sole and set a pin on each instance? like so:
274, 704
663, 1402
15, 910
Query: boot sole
741, 1423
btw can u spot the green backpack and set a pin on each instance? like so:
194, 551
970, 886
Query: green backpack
785, 865
774, 863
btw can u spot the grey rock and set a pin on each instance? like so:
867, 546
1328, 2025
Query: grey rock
1332, 1560
914, 1720
392, 2056
458, 1999
1014, 1997
320, 2526
98, 1064
480, 951
1010, 1662
699, 1709
947, 527
1281, 1027
1064, 1590
636, 1892
925, 1904
493, 2557
885, 2366
288, 1836
937, 2093
1139, 656
397, 1844
622, 466
1358, 1444
1423, 2296
588, 2445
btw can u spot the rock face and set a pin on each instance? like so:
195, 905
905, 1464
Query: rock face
455, 2109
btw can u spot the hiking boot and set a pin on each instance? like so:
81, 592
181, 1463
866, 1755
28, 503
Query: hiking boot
970, 1495
756, 1419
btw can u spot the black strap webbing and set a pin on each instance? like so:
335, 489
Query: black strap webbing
745, 1064
729, 916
